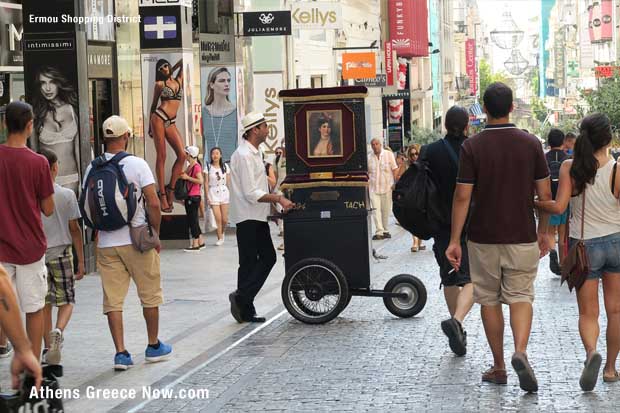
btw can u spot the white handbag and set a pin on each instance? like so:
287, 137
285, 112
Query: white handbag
211, 224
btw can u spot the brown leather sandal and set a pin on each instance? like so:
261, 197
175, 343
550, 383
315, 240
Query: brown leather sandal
612, 379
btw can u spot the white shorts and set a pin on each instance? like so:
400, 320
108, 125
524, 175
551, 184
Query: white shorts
219, 195
30, 284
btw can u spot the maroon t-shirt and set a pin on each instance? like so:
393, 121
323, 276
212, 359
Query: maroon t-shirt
25, 180
503, 163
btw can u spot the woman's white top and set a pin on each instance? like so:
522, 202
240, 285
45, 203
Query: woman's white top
602, 207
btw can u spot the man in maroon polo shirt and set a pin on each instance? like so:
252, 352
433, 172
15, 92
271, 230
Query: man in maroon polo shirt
26, 190
501, 169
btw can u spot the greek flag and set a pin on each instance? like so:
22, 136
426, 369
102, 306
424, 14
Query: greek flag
160, 27
476, 109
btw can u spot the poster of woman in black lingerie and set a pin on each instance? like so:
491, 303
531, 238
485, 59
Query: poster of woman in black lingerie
164, 95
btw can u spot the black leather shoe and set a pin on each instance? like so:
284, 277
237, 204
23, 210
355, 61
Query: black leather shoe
235, 310
387, 235
255, 319
377, 237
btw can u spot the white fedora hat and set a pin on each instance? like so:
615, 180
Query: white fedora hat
251, 120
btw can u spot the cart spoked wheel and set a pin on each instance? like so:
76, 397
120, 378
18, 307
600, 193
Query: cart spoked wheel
315, 291
414, 298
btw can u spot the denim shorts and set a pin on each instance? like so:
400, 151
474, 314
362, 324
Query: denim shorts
603, 254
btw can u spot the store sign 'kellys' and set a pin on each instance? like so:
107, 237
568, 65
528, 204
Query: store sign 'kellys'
316, 15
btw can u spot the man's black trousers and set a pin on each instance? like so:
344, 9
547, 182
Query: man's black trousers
256, 259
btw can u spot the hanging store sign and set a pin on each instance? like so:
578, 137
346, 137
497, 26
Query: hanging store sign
316, 15
359, 65
100, 61
11, 57
267, 23
151, 3
267, 86
379, 81
470, 64
389, 63
409, 27
559, 60
217, 49
606, 71
401, 94
160, 27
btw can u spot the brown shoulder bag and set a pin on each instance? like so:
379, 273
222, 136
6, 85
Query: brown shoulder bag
575, 267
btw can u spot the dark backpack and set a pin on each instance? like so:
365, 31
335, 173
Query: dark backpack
416, 202
554, 162
108, 201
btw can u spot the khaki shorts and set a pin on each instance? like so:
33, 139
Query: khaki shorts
503, 273
30, 284
117, 265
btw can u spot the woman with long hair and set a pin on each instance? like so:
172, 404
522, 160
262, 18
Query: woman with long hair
216, 191
322, 143
219, 123
162, 128
592, 174
413, 153
194, 181
55, 123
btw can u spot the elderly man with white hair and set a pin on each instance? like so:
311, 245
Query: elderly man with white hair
382, 171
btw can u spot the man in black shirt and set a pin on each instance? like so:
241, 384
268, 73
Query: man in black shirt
557, 223
442, 159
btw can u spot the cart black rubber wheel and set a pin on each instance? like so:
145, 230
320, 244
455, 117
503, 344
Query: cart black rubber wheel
416, 295
315, 291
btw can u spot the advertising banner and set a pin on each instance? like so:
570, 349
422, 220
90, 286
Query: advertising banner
359, 65
267, 23
470, 64
11, 57
217, 49
316, 15
607, 28
51, 82
168, 122
409, 27
267, 86
101, 27
218, 87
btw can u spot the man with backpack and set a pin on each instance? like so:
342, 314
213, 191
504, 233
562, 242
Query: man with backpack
557, 223
119, 198
441, 157
500, 169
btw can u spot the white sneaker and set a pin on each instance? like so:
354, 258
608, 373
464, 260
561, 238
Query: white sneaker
219, 242
53, 353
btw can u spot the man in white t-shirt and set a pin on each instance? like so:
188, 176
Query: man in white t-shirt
118, 261
382, 170
62, 231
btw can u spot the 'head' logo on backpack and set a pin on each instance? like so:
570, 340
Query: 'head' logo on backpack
108, 201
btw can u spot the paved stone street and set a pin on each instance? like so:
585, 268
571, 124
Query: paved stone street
368, 360
365, 360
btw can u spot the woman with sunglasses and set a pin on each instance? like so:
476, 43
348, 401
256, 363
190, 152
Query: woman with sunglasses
216, 191
413, 152
162, 126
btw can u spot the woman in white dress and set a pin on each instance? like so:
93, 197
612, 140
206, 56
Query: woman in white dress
216, 191
56, 125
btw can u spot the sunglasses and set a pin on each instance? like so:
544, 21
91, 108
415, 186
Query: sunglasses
412, 154
278, 153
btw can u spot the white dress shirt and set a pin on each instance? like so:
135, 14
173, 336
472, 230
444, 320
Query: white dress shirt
381, 171
248, 183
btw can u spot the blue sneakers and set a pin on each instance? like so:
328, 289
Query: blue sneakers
153, 355
122, 362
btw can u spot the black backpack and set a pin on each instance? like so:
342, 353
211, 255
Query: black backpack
416, 202
554, 163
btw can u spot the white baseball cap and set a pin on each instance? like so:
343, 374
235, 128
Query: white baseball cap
193, 151
251, 120
115, 126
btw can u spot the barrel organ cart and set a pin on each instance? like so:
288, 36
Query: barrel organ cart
327, 237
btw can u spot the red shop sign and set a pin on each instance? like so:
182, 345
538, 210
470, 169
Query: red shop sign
409, 27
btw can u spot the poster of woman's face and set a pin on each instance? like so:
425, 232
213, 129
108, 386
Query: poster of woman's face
51, 89
324, 133
98, 30
219, 108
